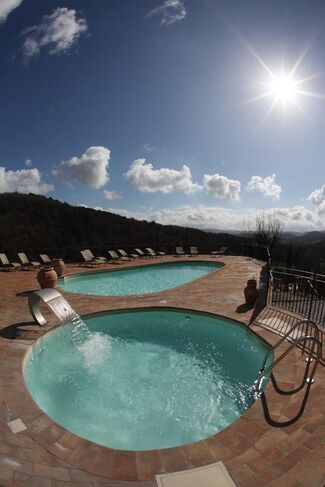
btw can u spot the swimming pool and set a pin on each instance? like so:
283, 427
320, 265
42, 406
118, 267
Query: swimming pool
145, 379
138, 280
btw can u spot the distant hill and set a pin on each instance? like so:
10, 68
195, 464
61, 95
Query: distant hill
35, 224
285, 235
296, 249
228, 232
310, 237
305, 251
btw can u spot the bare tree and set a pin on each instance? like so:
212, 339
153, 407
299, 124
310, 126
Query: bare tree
268, 231
247, 235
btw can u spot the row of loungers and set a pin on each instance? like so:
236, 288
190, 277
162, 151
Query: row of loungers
89, 258
121, 255
180, 252
24, 262
118, 257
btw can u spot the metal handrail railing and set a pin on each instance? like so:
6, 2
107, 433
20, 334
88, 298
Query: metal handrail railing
312, 287
298, 272
292, 329
306, 381
263, 373
301, 294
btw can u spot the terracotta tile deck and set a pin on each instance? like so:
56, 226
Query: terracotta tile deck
256, 454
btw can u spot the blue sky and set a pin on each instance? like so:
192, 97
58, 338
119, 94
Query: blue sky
147, 108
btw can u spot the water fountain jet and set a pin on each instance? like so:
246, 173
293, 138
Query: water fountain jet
62, 310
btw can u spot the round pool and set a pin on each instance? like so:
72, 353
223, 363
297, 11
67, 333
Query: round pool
138, 280
145, 379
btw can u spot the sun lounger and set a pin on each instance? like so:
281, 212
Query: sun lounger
153, 253
222, 251
45, 259
179, 251
92, 256
117, 259
7, 264
141, 253
194, 251
150, 252
128, 256
88, 260
26, 262
123, 255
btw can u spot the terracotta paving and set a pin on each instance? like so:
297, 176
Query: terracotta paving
255, 454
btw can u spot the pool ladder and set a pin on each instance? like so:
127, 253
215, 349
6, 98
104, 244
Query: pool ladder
308, 335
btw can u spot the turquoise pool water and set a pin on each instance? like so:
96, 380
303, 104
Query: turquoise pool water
145, 379
138, 280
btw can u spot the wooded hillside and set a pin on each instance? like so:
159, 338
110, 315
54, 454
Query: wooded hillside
35, 224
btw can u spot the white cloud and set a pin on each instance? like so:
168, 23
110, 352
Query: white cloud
89, 169
112, 195
170, 11
57, 32
222, 187
297, 218
28, 163
23, 181
317, 197
267, 186
146, 179
6, 7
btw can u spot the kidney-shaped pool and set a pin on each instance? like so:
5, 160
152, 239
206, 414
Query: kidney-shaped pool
145, 379
138, 280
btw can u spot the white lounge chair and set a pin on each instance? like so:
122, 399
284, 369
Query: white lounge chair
7, 264
45, 259
194, 251
221, 251
128, 256
150, 252
153, 253
88, 260
117, 259
26, 262
93, 257
141, 253
179, 252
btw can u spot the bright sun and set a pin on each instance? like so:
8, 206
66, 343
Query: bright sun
283, 88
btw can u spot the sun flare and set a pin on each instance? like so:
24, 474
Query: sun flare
283, 88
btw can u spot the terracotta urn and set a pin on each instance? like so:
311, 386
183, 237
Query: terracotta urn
47, 277
58, 266
251, 292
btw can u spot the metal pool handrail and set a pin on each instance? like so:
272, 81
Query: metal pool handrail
307, 322
307, 381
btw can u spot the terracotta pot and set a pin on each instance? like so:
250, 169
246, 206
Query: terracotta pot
47, 277
58, 266
251, 292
